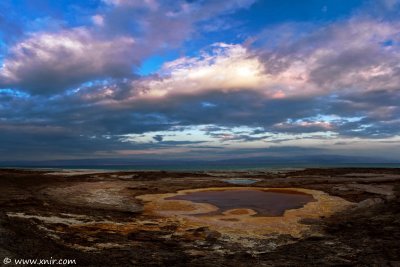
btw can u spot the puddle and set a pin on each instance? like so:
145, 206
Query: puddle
263, 202
240, 181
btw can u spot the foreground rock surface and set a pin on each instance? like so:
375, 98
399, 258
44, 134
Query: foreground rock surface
96, 219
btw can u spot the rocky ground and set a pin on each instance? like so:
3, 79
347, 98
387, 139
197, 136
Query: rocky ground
85, 216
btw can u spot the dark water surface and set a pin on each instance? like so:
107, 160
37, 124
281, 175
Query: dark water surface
264, 202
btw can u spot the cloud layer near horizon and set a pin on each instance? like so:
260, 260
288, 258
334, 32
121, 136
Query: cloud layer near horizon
73, 91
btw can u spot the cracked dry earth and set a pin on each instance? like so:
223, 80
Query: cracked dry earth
124, 219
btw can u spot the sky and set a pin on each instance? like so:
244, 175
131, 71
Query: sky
199, 79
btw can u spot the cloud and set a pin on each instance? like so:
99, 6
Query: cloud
348, 55
295, 85
120, 37
336, 63
49, 63
158, 137
283, 88
225, 68
161, 25
237, 81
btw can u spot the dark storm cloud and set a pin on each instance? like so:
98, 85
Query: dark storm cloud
26, 142
379, 113
234, 109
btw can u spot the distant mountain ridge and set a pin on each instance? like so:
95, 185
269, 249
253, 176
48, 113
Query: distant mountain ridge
310, 160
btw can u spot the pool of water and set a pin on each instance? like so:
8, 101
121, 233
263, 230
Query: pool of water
264, 202
240, 181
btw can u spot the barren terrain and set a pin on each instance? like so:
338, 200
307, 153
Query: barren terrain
102, 219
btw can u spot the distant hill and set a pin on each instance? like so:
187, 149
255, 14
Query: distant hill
309, 160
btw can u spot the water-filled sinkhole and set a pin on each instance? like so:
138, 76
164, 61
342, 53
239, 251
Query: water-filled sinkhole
265, 202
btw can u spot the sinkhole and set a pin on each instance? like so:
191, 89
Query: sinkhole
240, 212
264, 202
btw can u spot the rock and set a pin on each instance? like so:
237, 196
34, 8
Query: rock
341, 188
309, 221
213, 236
386, 190
196, 253
391, 198
316, 237
369, 202
206, 234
